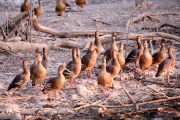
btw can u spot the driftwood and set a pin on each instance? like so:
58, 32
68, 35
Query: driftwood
149, 16
130, 97
21, 46
169, 25
98, 104
105, 35
13, 25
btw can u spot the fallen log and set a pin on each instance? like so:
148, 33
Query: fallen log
21, 46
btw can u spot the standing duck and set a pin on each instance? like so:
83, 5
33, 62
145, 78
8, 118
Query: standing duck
60, 8
74, 67
25, 6
158, 57
135, 54
121, 59
21, 79
104, 78
108, 52
33, 66
145, 60
55, 83
39, 10
39, 73
167, 65
115, 67
89, 60
81, 3
45, 60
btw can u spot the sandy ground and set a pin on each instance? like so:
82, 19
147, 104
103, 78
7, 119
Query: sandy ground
116, 13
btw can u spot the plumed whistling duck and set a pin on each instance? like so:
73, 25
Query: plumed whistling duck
25, 6
135, 54
45, 60
167, 65
73, 67
55, 83
21, 79
39, 73
81, 3
158, 57
145, 60
89, 60
39, 10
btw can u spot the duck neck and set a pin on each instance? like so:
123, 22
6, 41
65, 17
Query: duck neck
74, 54
103, 67
40, 5
61, 77
140, 46
44, 56
146, 50
121, 53
162, 47
59, 2
97, 41
115, 60
170, 55
26, 70
26, 2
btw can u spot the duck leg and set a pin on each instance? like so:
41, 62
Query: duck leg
121, 76
85, 73
168, 78
163, 78
55, 96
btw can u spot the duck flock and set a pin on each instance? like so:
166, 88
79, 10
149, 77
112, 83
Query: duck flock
112, 65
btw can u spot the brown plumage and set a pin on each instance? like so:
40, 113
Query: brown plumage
158, 57
104, 78
74, 67
135, 54
39, 10
60, 7
66, 3
108, 52
25, 6
120, 56
167, 65
45, 60
21, 79
55, 83
97, 42
33, 66
89, 60
145, 60
81, 3
115, 67
121, 59
39, 73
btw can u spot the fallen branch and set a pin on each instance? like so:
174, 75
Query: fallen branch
102, 22
97, 104
149, 16
132, 36
158, 91
169, 25
15, 23
145, 103
130, 97
92, 104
